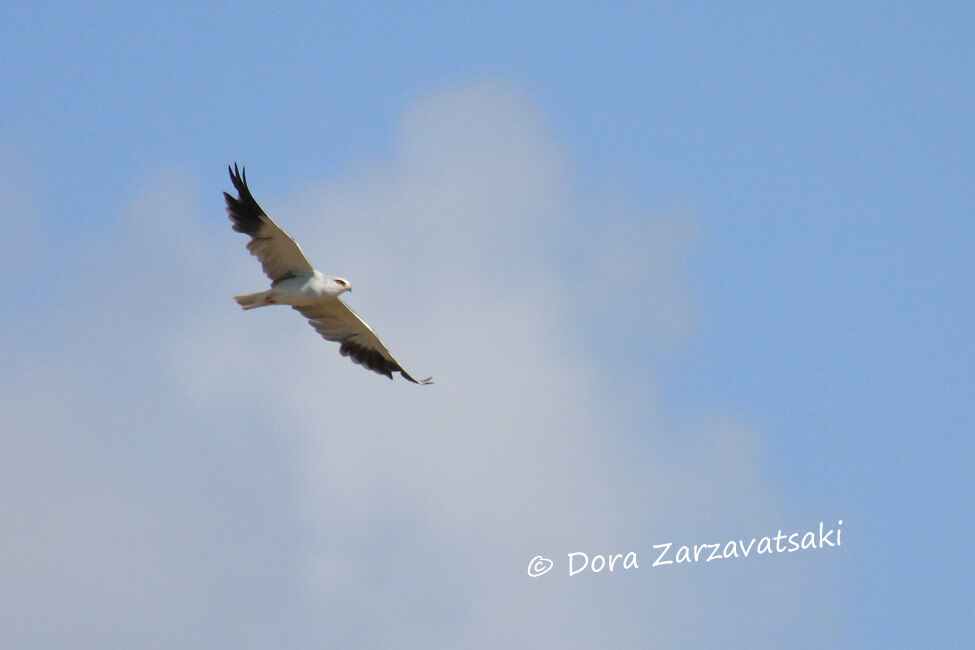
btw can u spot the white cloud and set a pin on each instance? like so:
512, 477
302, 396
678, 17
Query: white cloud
241, 483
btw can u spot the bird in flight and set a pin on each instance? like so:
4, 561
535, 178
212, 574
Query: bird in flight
296, 283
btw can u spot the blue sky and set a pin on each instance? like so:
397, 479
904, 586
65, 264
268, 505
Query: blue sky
728, 232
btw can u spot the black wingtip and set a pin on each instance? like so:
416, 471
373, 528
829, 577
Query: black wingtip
238, 176
244, 212
422, 382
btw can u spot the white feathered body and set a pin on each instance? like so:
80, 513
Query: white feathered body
300, 291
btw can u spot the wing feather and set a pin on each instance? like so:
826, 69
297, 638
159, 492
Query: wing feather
335, 321
279, 254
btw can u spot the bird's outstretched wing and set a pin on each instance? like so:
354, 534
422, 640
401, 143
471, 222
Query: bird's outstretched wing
278, 252
336, 322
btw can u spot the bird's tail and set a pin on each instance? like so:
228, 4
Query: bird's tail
252, 300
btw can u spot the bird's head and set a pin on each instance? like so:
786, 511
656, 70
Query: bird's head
341, 285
